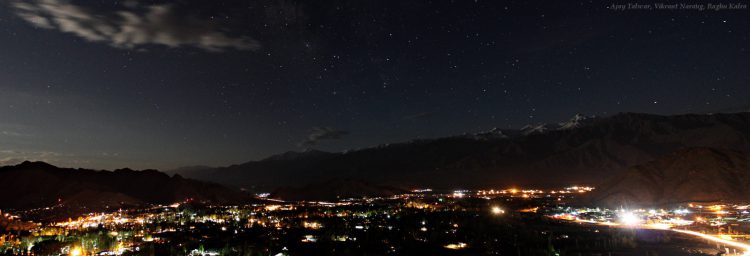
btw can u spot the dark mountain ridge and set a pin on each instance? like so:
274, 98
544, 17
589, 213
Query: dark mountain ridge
38, 184
687, 175
587, 151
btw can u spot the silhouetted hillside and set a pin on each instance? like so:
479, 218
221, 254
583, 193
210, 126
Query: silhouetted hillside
38, 184
583, 150
689, 175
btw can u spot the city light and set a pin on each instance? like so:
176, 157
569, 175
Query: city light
630, 219
76, 251
290, 127
715, 227
456, 246
497, 210
133, 230
744, 246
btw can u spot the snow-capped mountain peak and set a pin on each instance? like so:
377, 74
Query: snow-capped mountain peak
536, 128
494, 133
576, 121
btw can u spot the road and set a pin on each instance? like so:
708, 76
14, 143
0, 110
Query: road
745, 247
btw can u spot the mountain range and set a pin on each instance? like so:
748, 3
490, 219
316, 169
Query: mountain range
582, 150
37, 184
687, 175
630, 157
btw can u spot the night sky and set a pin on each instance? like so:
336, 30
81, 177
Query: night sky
149, 84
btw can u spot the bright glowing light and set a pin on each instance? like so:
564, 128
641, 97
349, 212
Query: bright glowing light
272, 207
630, 219
679, 222
659, 226
497, 210
725, 237
309, 239
457, 246
311, 225
76, 251
744, 246
682, 211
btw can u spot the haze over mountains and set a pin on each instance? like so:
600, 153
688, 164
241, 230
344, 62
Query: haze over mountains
581, 150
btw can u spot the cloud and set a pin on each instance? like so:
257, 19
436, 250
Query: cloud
10, 157
12, 130
13, 157
137, 26
12, 134
418, 116
322, 133
4, 161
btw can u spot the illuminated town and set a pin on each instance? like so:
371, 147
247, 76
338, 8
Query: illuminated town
459, 222
369, 128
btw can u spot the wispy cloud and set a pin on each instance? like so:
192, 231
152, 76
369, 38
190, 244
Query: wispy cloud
12, 134
10, 161
13, 157
130, 28
418, 116
13, 130
9, 157
322, 133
